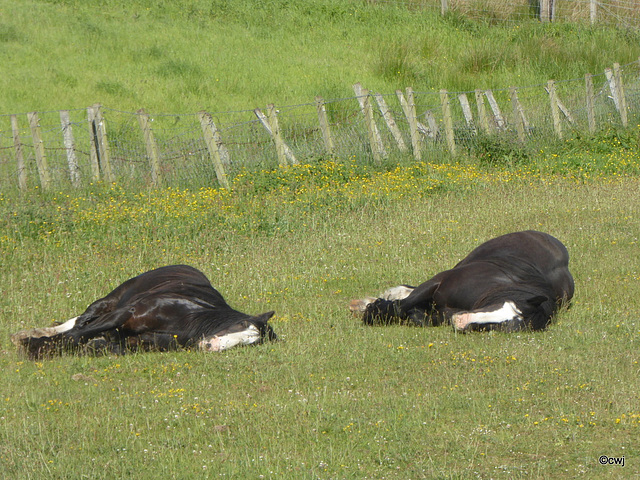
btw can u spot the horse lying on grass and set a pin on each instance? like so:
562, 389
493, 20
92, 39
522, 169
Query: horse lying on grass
164, 309
513, 282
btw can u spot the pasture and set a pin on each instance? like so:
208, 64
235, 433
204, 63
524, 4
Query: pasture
332, 399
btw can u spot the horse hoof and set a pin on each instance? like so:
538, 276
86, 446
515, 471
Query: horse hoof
360, 305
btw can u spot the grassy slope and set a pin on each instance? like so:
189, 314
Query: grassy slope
333, 399
180, 57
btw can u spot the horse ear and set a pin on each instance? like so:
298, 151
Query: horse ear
537, 300
264, 317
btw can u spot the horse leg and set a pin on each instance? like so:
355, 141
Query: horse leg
506, 317
42, 341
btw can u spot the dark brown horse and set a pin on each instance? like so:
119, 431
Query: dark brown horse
164, 309
513, 282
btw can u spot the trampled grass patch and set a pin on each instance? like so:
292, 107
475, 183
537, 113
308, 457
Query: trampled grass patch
331, 399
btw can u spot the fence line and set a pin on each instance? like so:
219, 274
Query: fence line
613, 12
74, 147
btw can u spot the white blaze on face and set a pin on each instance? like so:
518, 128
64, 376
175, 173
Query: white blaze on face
218, 343
507, 312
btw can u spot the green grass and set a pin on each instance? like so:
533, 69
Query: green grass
177, 57
332, 399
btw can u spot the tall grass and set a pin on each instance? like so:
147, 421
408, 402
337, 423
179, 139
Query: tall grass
180, 56
332, 399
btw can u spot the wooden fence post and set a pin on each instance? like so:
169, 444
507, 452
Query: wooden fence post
622, 102
444, 7
100, 143
266, 123
151, 146
17, 145
466, 111
432, 131
103, 144
324, 125
591, 114
547, 10
94, 155
391, 123
448, 121
482, 112
272, 116
522, 126
409, 109
38, 145
214, 144
70, 147
555, 110
611, 80
375, 141
495, 108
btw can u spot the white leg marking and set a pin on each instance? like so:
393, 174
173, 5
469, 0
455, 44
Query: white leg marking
507, 312
225, 342
16, 338
66, 326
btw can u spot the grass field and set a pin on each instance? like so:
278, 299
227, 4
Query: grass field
184, 56
332, 399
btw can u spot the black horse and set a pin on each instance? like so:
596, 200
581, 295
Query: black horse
163, 309
513, 282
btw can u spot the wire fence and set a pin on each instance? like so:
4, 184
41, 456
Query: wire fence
81, 146
624, 13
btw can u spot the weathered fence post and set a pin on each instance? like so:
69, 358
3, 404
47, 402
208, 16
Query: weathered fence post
482, 112
444, 7
272, 116
267, 124
391, 123
214, 145
151, 146
38, 145
94, 155
466, 111
555, 111
448, 121
17, 145
495, 108
409, 109
70, 147
522, 126
99, 143
432, 131
547, 10
611, 80
622, 102
375, 141
591, 114
324, 125
561, 108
